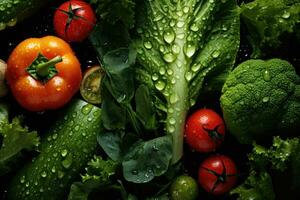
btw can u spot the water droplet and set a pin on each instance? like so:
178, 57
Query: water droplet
64, 153
155, 77
189, 50
134, 172
171, 129
216, 54
266, 75
162, 49
188, 76
172, 121
22, 180
179, 13
186, 9
176, 49
266, 99
180, 24
54, 136
148, 45
53, 170
27, 184
41, 190
67, 162
286, 15
44, 174
173, 98
76, 128
192, 102
170, 72
169, 36
86, 109
195, 67
169, 57
162, 71
60, 174
172, 23
194, 27
211, 1
160, 85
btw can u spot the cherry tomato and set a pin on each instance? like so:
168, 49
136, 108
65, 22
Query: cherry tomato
74, 20
217, 174
205, 130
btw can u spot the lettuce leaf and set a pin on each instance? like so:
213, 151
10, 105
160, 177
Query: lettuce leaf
16, 138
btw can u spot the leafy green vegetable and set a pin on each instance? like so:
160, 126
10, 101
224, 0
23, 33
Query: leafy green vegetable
97, 177
16, 138
274, 171
147, 160
256, 187
128, 114
268, 20
113, 11
181, 44
260, 99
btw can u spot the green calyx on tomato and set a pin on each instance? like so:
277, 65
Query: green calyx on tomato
43, 69
214, 133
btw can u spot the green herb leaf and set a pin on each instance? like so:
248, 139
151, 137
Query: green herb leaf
147, 160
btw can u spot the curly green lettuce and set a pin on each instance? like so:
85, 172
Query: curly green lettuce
269, 20
16, 138
274, 171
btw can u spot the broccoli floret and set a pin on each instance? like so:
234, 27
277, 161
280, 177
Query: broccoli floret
260, 99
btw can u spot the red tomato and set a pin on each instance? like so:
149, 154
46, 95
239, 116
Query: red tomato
74, 20
217, 174
205, 130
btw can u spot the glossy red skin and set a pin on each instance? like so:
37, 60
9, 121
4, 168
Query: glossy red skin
207, 179
79, 29
195, 134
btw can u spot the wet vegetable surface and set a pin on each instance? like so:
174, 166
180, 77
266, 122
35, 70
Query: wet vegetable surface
41, 25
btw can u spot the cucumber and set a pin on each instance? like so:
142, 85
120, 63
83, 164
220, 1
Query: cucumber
12, 11
65, 150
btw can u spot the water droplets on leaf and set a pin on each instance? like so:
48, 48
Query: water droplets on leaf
188, 76
44, 174
286, 15
148, 45
173, 98
194, 27
160, 85
266, 75
189, 49
266, 99
186, 9
180, 24
169, 57
67, 162
162, 70
216, 54
155, 77
64, 153
176, 49
169, 36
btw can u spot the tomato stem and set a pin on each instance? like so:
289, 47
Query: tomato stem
42, 69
